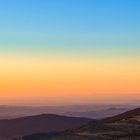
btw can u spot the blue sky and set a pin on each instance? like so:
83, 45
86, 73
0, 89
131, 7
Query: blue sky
70, 23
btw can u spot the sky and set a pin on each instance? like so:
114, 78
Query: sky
55, 52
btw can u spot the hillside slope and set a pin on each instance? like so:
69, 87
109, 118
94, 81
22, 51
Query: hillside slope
124, 116
123, 126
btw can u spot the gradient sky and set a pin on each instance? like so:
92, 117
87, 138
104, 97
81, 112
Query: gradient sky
69, 51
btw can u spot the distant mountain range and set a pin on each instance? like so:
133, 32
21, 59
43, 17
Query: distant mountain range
90, 111
101, 113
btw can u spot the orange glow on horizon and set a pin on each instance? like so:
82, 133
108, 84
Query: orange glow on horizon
46, 77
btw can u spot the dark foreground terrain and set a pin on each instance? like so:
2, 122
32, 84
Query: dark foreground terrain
125, 126
59, 136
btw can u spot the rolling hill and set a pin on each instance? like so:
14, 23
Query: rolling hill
37, 124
